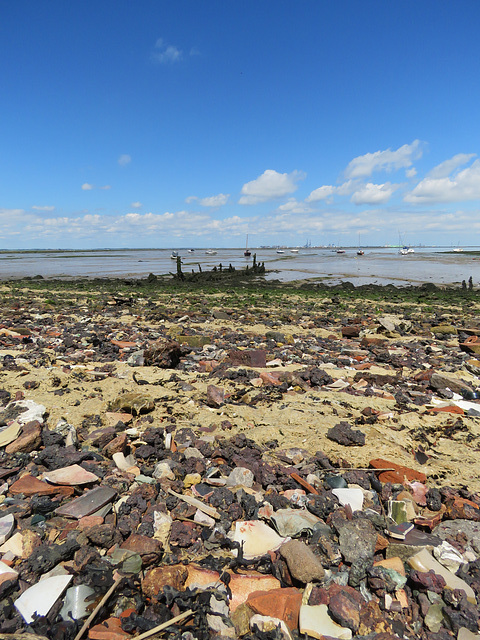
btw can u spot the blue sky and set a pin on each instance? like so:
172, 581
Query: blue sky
190, 123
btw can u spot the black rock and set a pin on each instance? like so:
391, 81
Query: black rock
344, 434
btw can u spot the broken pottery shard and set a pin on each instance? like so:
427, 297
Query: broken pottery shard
315, 621
77, 602
6, 527
466, 634
267, 624
353, 497
9, 434
13, 545
399, 475
242, 585
257, 538
87, 504
281, 604
123, 462
30, 486
72, 475
29, 440
40, 598
4, 568
32, 411
293, 522
424, 561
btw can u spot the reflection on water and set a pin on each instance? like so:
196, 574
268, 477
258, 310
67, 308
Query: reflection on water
379, 265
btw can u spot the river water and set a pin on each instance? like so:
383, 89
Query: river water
377, 265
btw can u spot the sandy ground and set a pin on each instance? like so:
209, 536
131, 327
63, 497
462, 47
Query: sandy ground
298, 420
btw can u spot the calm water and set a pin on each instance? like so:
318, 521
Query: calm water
380, 266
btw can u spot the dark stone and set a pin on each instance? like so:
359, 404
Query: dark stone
249, 358
344, 606
183, 534
357, 539
165, 355
430, 581
358, 570
344, 434
221, 498
433, 498
323, 504
104, 535
47, 556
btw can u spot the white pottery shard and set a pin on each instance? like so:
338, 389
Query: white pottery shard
41, 597
315, 621
351, 496
6, 527
257, 538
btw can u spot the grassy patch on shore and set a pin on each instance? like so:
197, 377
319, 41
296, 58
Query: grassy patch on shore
241, 294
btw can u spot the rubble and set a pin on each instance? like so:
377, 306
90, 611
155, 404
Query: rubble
261, 472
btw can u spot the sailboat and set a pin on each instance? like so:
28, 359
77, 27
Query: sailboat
360, 251
247, 253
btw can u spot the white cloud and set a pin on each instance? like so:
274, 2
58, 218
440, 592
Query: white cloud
327, 191
269, 186
11, 215
322, 193
87, 187
106, 187
294, 206
45, 208
444, 169
460, 187
374, 193
211, 201
388, 160
347, 188
164, 53
411, 173
124, 159
136, 205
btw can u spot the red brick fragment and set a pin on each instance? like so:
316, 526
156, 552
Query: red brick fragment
283, 604
400, 474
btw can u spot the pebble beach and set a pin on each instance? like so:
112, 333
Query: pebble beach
251, 450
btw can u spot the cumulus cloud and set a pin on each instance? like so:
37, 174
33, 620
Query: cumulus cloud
270, 186
164, 53
322, 193
388, 160
44, 208
136, 205
461, 186
87, 187
294, 206
411, 173
211, 201
374, 193
124, 159
328, 191
444, 169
